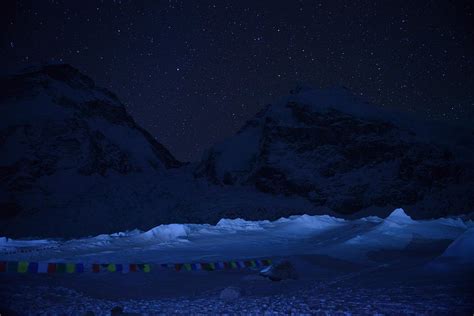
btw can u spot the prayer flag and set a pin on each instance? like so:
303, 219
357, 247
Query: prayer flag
33, 267
111, 267
61, 267
43, 267
22, 267
51, 267
70, 267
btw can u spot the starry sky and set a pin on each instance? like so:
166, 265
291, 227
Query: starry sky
192, 72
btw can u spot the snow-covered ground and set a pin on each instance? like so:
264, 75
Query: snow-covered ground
364, 266
239, 239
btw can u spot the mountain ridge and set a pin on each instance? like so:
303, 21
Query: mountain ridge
71, 154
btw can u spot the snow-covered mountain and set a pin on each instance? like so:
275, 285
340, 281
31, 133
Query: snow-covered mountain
67, 144
346, 155
74, 163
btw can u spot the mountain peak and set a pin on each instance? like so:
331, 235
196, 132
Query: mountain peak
339, 152
53, 79
72, 76
301, 87
60, 72
399, 216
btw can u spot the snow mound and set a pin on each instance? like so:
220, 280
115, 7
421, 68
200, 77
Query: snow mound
398, 216
372, 219
312, 221
395, 231
239, 224
453, 222
168, 232
126, 233
462, 248
399, 229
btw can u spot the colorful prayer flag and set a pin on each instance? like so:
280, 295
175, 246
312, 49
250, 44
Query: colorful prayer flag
126, 268
12, 266
42, 267
95, 268
111, 267
70, 267
206, 266
60, 267
51, 267
79, 267
33, 267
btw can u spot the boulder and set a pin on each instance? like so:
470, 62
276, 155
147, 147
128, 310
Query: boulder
282, 270
230, 293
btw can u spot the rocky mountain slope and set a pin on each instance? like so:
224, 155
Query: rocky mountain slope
60, 137
348, 156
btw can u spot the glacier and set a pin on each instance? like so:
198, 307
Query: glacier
237, 239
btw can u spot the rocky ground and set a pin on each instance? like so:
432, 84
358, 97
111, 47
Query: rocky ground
365, 292
316, 300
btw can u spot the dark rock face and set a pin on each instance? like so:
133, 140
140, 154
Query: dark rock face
104, 156
344, 162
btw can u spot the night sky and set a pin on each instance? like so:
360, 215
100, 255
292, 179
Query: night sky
192, 72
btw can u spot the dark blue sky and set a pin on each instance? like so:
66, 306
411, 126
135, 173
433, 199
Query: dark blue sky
192, 72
